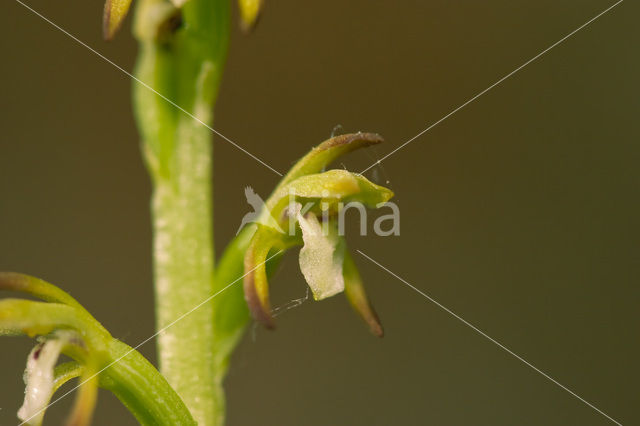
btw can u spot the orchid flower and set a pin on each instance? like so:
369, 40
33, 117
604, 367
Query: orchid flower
99, 360
324, 262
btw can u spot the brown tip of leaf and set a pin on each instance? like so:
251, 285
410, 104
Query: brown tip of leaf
260, 313
12, 281
374, 324
360, 138
106, 18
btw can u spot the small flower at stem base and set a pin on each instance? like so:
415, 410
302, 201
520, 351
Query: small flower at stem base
42, 380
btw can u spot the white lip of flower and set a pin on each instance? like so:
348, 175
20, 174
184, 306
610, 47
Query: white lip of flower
321, 258
39, 377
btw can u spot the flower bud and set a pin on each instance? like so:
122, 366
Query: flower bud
249, 13
114, 13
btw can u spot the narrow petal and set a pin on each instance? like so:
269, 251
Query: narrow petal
370, 194
19, 316
354, 290
86, 398
332, 187
65, 372
335, 184
256, 285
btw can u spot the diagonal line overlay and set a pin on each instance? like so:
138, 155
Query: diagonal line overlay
491, 339
152, 336
492, 86
137, 80
368, 168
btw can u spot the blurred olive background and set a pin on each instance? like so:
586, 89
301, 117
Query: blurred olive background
519, 213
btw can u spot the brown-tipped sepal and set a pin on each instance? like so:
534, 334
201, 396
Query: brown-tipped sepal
86, 399
354, 290
256, 285
328, 151
114, 13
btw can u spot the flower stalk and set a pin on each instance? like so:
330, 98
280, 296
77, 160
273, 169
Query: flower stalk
182, 54
201, 311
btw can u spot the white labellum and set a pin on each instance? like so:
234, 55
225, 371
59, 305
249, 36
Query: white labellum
39, 378
321, 257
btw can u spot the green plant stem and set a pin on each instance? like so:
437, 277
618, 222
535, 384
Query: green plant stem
183, 257
184, 64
